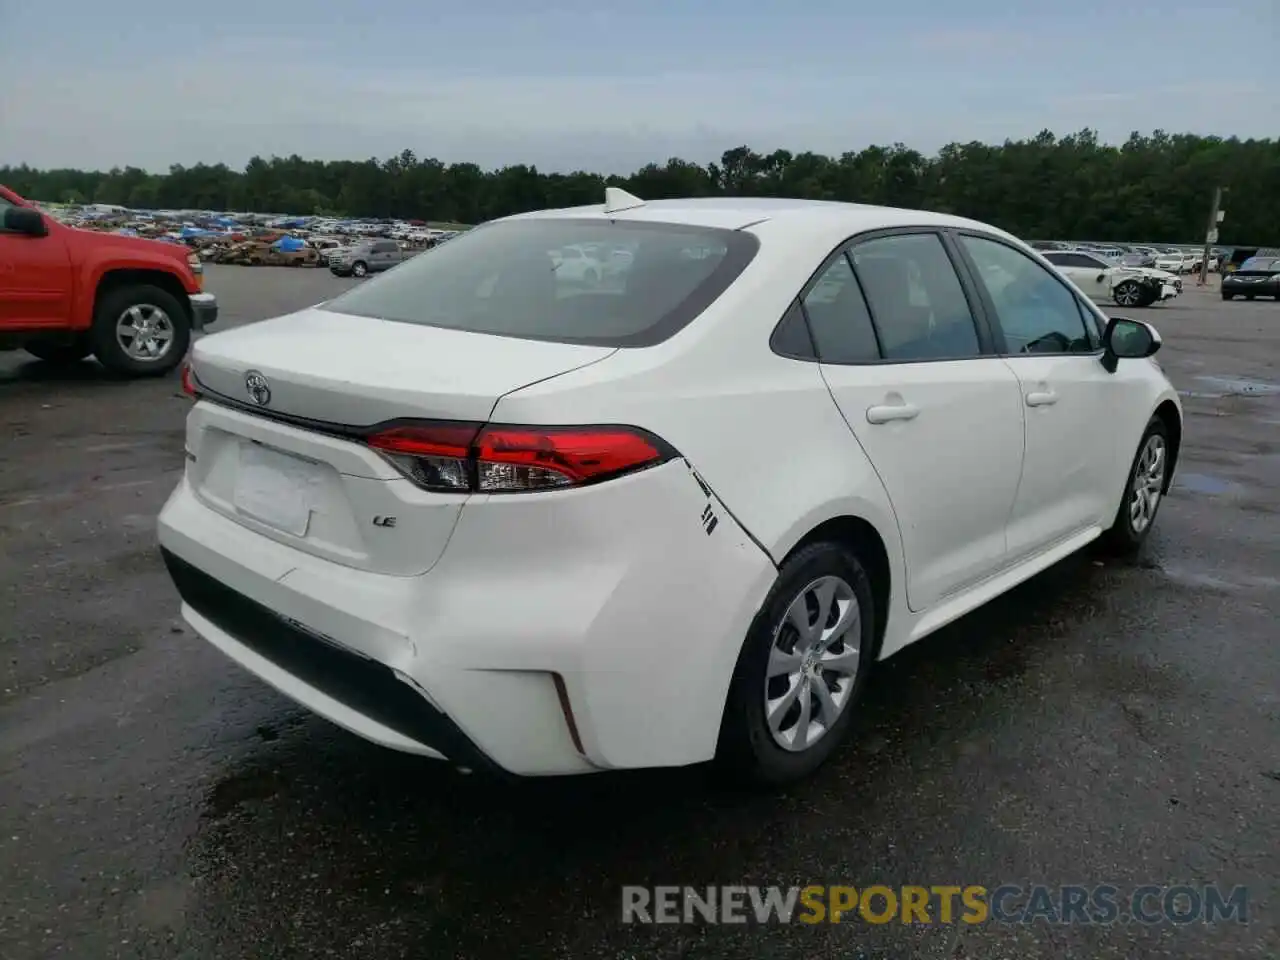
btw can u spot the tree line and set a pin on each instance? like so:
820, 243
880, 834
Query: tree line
1155, 188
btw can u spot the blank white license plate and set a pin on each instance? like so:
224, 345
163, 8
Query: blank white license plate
274, 488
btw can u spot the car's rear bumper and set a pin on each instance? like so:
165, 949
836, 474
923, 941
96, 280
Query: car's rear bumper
548, 639
204, 310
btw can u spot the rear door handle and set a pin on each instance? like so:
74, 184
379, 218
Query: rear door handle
897, 411
1041, 398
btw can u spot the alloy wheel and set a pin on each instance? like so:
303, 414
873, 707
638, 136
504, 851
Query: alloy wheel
145, 333
1148, 483
813, 662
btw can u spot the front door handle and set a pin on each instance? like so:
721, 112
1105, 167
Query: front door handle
886, 412
1041, 398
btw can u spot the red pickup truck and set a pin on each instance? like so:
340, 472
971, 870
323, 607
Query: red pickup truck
66, 294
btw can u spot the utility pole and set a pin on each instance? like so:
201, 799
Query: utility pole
1210, 235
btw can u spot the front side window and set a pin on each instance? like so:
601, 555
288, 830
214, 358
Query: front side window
1036, 311
512, 278
916, 300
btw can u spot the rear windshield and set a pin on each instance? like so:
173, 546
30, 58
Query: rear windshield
565, 280
1261, 263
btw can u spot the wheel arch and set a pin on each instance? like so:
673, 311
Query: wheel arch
113, 280
862, 537
1171, 416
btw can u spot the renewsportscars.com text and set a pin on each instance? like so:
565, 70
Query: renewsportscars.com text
945, 904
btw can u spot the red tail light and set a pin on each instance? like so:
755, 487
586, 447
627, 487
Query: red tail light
190, 385
470, 457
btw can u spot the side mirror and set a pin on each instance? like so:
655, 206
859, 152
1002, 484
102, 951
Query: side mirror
1127, 339
26, 221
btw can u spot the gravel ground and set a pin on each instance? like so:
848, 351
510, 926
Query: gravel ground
1104, 724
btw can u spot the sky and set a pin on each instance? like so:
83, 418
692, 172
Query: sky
608, 86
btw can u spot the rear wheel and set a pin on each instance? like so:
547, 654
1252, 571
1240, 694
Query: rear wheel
1143, 491
61, 352
140, 331
801, 669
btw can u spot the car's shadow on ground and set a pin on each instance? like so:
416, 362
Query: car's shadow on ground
402, 835
60, 374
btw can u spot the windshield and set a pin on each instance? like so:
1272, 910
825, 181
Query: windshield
565, 280
1268, 264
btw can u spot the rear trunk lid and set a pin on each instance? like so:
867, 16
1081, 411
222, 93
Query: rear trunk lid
291, 468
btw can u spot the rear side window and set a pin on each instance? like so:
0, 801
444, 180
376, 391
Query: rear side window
838, 317
512, 278
916, 299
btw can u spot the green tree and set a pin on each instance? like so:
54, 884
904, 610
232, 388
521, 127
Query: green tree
1153, 187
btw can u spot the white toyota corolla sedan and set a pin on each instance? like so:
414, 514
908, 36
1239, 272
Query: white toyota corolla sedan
477, 512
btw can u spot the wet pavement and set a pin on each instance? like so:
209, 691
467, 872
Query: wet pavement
1105, 724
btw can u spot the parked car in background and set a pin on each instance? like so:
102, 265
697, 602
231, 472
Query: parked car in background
578, 265
67, 294
1138, 259
467, 516
1102, 280
1257, 277
1176, 262
369, 256
1238, 255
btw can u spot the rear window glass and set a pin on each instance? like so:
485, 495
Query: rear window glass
1261, 263
564, 280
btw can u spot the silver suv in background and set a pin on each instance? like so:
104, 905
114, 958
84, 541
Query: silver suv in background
367, 256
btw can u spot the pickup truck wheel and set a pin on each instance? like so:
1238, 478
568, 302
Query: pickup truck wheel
140, 331
358, 269
61, 352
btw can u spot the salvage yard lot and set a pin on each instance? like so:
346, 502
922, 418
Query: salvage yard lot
1104, 724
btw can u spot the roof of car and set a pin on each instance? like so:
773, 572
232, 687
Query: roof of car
735, 213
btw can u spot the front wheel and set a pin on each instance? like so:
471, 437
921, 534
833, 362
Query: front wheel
140, 331
801, 669
359, 269
1128, 294
1143, 491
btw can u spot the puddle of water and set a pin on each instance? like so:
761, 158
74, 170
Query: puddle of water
1206, 484
1238, 387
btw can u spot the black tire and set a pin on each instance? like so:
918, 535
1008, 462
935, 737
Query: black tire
359, 269
112, 307
61, 352
1147, 297
747, 751
1228, 296
1124, 538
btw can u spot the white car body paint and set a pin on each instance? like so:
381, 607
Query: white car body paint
631, 597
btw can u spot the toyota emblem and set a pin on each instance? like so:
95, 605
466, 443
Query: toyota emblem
255, 384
